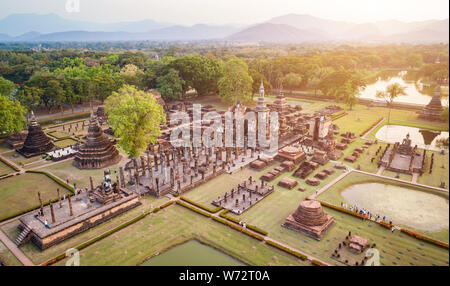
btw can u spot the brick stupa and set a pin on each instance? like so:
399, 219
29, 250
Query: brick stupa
98, 152
37, 142
310, 219
433, 109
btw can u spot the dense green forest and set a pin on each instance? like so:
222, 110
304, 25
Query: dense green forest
52, 77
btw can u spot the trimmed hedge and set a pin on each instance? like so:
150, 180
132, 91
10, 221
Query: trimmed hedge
338, 115
239, 228
372, 126
285, 249
317, 263
58, 181
193, 209
208, 209
169, 203
424, 238
343, 210
249, 226
9, 165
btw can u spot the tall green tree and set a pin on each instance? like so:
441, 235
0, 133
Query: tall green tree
392, 92
170, 85
6, 87
12, 116
135, 117
235, 84
292, 81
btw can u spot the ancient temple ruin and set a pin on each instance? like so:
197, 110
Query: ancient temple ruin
310, 219
246, 195
403, 158
71, 215
37, 142
432, 111
98, 151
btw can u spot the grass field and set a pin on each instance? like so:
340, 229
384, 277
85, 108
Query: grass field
332, 195
438, 174
395, 249
65, 143
66, 170
19, 193
270, 213
5, 169
172, 226
3, 147
209, 191
17, 158
8, 257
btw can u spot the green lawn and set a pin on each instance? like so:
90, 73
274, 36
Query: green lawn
401, 176
270, 213
66, 170
17, 158
172, 226
5, 169
19, 193
65, 143
3, 147
8, 257
209, 191
439, 174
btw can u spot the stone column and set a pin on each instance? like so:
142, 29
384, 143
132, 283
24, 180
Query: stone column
155, 159
92, 183
136, 171
52, 211
143, 166
130, 178
122, 178
59, 198
40, 202
149, 164
70, 206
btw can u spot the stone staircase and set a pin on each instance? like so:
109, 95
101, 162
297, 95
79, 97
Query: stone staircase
23, 236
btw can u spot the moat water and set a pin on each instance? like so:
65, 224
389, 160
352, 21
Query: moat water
416, 91
423, 138
193, 253
416, 209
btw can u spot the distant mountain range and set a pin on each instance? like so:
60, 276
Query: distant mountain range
291, 28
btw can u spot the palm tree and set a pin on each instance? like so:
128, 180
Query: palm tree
392, 91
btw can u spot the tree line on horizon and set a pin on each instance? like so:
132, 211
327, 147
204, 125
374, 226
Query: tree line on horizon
51, 79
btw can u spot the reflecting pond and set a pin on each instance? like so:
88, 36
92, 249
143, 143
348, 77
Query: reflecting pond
413, 208
423, 138
193, 253
417, 92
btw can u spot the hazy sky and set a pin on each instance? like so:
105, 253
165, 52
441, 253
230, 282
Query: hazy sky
188, 12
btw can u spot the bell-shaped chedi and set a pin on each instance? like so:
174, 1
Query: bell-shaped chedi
37, 142
434, 109
310, 219
98, 151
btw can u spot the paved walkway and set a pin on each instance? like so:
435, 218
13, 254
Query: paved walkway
415, 176
380, 170
323, 189
15, 250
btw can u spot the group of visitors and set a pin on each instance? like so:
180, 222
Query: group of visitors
367, 213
